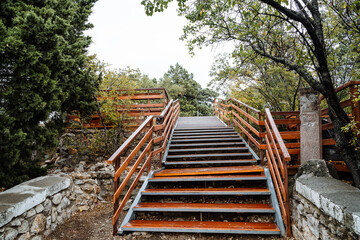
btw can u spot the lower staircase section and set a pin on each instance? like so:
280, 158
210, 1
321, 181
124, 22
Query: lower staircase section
211, 183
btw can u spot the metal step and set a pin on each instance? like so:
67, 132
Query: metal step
258, 176
208, 171
210, 155
205, 191
240, 143
203, 207
203, 133
172, 163
206, 140
208, 149
206, 136
202, 227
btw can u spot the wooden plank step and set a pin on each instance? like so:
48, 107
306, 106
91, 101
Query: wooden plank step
208, 171
206, 136
206, 191
203, 133
208, 149
204, 207
240, 143
207, 140
210, 162
259, 176
205, 129
210, 155
202, 227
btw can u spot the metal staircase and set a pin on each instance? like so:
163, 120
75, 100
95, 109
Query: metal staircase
211, 182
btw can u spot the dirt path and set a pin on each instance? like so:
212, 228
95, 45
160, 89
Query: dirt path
96, 225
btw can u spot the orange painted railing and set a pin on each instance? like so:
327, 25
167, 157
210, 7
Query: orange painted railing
142, 103
278, 158
153, 135
261, 130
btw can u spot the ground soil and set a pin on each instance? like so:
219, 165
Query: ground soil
96, 224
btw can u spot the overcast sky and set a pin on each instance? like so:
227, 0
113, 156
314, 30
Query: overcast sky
124, 36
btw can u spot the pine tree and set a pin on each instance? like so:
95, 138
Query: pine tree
43, 73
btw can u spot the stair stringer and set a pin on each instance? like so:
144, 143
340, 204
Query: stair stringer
130, 215
274, 202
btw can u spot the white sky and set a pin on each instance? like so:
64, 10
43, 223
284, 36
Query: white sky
124, 36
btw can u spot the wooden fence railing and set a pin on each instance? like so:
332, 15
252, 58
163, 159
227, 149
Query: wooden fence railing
276, 135
153, 135
278, 158
261, 131
140, 103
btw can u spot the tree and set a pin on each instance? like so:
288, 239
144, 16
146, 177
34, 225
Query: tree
43, 73
305, 29
257, 82
181, 85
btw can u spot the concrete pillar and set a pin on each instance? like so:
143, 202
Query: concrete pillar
310, 128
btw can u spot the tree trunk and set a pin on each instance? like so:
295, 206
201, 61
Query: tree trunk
343, 139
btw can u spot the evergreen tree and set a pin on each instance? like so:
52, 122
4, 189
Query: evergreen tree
43, 73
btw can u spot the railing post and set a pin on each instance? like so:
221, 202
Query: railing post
261, 141
116, 203
152, 146
310, 128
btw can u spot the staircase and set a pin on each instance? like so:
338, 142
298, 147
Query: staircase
211, 183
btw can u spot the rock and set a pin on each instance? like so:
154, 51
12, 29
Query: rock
88, 188
30, 213
39, 208
25, 236
38, 224
37, 238
47, 206
53, 214
78, 182
10, 234
57, 198
106, 175
15, 222
316, 168
64, 202
24, 227
84, 208
48, 222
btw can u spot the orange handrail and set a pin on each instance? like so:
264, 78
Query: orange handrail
278, 157
148, 141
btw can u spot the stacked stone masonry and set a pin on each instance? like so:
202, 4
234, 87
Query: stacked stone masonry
325, 208
33, 209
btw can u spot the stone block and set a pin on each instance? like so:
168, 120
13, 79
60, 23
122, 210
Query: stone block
38, 224
19, 199
24, 227
25, 236
11, 234
57, 199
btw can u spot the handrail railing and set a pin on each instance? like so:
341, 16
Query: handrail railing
148, 141
278, 157
140, 103
248, 119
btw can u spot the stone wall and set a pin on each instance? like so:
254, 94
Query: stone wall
325, 208
33, 209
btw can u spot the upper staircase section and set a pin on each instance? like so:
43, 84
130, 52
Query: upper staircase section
211, 183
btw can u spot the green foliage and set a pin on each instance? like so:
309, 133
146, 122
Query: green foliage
259, 85
180, 84
43, 73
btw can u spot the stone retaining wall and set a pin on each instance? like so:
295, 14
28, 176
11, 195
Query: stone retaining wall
325, 208
33, 209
